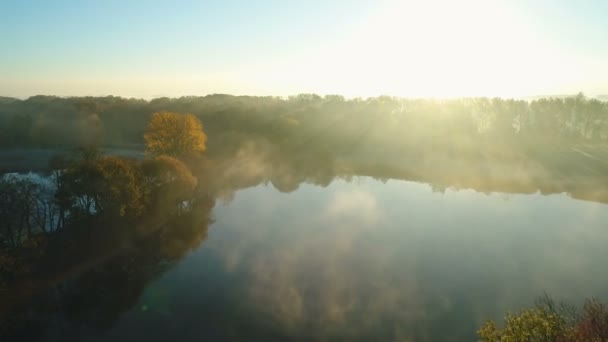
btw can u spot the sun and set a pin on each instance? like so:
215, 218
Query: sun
430, 49
434, 48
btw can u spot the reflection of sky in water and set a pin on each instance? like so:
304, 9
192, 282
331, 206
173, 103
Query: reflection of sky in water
393, 261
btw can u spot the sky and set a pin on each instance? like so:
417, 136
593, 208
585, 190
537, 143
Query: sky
407, 48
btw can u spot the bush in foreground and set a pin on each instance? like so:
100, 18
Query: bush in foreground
552, 323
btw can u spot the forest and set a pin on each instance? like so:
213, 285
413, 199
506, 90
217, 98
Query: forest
555, 144
49, 121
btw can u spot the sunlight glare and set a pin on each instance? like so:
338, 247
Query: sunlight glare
434, 49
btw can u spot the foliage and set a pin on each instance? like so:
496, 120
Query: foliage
332, 120
528, 325
106, 185
593, 323
113, 186
167, 181
549, 322
175, 135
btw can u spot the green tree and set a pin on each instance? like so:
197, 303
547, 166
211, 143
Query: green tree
106, 185
529, 325
551, 322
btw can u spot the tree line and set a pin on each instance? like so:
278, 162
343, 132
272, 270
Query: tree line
49, 121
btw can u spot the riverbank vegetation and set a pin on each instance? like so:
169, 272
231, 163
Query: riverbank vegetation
93, 203
551, 321
330, 121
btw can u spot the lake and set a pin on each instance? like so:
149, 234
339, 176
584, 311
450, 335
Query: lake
359, 259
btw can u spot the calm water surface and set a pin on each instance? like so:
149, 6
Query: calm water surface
371, 260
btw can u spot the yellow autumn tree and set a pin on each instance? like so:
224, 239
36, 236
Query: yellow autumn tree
174, 134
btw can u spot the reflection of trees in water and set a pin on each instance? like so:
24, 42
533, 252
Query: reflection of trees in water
331, 278
260, 163
343, 292
98, 276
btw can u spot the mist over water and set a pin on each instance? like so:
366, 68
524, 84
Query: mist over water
301, 218
303, 247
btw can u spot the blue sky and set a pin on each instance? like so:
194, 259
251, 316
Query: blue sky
357, 48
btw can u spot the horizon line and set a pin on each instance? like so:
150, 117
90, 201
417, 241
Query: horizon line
600, 96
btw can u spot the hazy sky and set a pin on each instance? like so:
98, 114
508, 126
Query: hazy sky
355, 48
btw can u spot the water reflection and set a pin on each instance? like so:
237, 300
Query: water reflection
344, 249
405, 263
257, 163
82, 286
